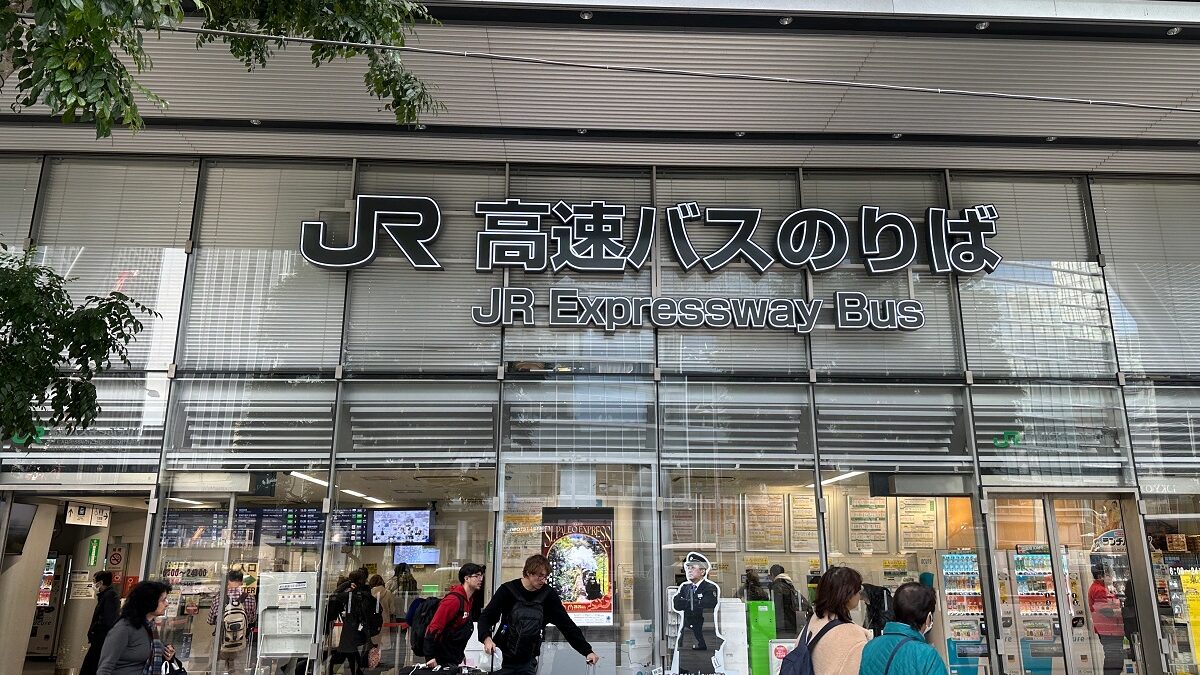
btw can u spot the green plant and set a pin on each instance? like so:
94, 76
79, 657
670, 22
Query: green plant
67, 57
50, 348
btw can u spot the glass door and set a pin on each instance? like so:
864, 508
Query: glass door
1063, 586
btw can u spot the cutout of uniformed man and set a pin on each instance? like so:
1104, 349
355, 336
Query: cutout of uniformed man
696, 602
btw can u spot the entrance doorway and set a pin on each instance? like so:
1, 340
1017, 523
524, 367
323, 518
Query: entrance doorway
1064, 574
53, 547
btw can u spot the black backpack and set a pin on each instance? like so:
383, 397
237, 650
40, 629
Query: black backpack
426, 608
799, 660
525, 624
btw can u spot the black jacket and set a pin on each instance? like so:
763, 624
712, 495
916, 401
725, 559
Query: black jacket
694, 599
363, 618
553, 612
104, 617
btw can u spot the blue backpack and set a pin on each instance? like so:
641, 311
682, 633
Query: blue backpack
799, 660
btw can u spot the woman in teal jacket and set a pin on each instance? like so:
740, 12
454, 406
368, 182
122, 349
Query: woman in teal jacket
901, 648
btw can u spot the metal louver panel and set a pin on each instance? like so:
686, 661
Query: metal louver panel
255, 302
114, 203
715, 425
933, 348
124, 441
1043, 312
892, 428
18, 192
729, 351
1148, 237
419, 425
1066, 435
1164, 428
541, 348
250, 425
590, 421
120, 225
401, 319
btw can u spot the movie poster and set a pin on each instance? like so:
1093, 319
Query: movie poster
578, 543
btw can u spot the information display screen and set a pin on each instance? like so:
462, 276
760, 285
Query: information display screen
194, 528
401, 526
416, 555
350, 526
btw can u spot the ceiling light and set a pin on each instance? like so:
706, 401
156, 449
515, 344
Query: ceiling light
374, 500
835, 479
982, 25
256, 122
181, 500
581, 130
304, 476
352, 493
586, 15
739, 134
785, 20
1176, 30
897, 135
1051, 139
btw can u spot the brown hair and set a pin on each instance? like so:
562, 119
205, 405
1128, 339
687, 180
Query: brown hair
536, 564
375, 580
837, 586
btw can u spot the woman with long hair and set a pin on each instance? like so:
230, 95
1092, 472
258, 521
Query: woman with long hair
835, 641
132, 646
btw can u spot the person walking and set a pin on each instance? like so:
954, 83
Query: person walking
835, 641
386, 602
901, 648
132, 646
1107, 622
104, 617
237, 616
353, 605
523, 607
446, 639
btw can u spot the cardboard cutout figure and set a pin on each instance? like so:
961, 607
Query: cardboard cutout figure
700, 643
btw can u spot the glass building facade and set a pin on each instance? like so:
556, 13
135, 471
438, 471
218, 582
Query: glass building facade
278, 416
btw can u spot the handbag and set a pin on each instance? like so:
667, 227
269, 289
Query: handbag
373, 656
173, 667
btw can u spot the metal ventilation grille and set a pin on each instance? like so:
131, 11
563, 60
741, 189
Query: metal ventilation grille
715, 425
1042, 313
541, 348
892, 429
1148, 237
126, 437
1066, 434
591, 422
418, 424
1164, 425
18, 191
251, 425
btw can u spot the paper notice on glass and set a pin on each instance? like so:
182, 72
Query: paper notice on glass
918, 523
804, 523
292, 599
868, 524
765, 522
288, 622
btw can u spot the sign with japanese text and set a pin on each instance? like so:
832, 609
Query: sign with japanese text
589, 237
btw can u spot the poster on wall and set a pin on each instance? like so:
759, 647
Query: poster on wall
803, 511
685, 520
766, 520
579, 545
918, 523
522, 528
728, 526
868, 521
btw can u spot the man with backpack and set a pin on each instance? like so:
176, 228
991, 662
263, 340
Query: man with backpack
523, 607
441, 628
238, 616
353, 618
790, 612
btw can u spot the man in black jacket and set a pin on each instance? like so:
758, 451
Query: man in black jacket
104, 616
526, 605
696, 602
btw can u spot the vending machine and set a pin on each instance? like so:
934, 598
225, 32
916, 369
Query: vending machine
963, 615
1037, 624
44, 632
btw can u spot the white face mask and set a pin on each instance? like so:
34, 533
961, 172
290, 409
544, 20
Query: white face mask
928, 625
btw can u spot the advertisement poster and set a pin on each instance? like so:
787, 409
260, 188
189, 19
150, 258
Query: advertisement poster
578, 543
1189, 581
766, 520
868, 524
918, 523
804, 524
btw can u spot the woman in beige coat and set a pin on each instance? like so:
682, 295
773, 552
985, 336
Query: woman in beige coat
840, 650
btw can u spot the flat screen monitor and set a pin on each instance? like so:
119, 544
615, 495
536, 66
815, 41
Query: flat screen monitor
401, 526
416, 555
20, 520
